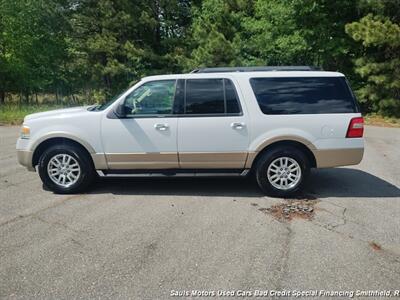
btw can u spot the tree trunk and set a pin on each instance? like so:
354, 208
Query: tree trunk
57, 99
2, 97
26, 98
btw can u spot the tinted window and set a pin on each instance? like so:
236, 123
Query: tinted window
151, 98
211, 96
232, 101
308, 95
204, 96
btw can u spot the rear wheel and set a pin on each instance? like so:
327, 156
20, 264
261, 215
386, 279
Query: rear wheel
66, 169
282, 171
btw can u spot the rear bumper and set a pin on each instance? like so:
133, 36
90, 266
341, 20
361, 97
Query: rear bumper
25, 158
338, 157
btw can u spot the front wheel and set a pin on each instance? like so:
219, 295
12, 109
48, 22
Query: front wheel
65, 169
282, 171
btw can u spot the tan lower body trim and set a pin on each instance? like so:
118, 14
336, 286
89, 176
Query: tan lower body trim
199, 160
250, 159
25, 158
212, 160
99, 161
327, 158
162, 160
338, 157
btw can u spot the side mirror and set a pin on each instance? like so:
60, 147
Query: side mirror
120, 110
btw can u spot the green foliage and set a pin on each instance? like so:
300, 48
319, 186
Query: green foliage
14, 114
381, 39
96, 48
117, 42
32, 45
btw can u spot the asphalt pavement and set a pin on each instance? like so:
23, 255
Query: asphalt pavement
150, 238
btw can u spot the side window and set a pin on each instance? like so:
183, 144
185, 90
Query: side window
152, 98
204, 96
303, 95
211, 96
232, 101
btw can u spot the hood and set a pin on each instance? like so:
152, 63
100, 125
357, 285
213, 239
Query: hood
57, 112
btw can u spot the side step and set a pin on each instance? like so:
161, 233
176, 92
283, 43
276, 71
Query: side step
172, 173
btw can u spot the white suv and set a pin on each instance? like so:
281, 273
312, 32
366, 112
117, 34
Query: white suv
277, 122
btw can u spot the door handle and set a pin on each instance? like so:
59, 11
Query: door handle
237, 125
161, 127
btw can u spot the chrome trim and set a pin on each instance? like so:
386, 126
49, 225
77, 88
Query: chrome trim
160, 174
100, 173
245, 172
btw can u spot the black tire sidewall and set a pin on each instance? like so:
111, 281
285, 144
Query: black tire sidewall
85, 177
269, 157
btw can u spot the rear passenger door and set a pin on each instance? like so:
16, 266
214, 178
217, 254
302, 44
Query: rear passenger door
212, 125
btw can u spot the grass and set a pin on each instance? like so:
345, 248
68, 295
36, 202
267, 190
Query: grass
378, 120
13, 114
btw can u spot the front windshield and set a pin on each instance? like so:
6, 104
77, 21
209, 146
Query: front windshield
107, 103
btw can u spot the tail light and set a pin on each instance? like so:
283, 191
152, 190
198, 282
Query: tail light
356, 128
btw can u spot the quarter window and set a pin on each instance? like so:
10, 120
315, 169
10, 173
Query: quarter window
306, 95
151, 98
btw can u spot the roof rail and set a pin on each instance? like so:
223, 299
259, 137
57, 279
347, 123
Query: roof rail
255, 69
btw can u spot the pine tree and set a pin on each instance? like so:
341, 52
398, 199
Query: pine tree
379, 64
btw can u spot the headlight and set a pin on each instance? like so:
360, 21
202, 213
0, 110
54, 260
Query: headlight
25, 132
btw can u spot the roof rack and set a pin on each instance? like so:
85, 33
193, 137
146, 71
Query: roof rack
255, 69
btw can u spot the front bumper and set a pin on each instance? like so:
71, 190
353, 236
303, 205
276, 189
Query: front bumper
25, 159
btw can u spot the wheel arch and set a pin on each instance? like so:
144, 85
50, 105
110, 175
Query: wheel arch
252, 160
58, 140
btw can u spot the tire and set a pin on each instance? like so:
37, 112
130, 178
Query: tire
75, 181
266, 169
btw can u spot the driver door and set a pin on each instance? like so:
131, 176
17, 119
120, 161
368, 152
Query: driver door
146, 137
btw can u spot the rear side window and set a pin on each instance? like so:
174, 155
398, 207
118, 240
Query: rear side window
211, 96
204, 96
232, 101
306, 95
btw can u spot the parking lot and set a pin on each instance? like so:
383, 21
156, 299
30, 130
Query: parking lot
143, 238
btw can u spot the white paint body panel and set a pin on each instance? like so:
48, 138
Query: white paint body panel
212, 134
138, 135
77, 123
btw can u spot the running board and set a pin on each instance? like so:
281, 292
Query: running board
172, 173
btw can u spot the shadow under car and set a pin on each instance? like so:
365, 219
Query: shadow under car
322, 183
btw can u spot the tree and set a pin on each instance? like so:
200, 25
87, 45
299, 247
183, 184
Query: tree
115, 42
32, 45
215, 33
380, 62
97, 48
300, 32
